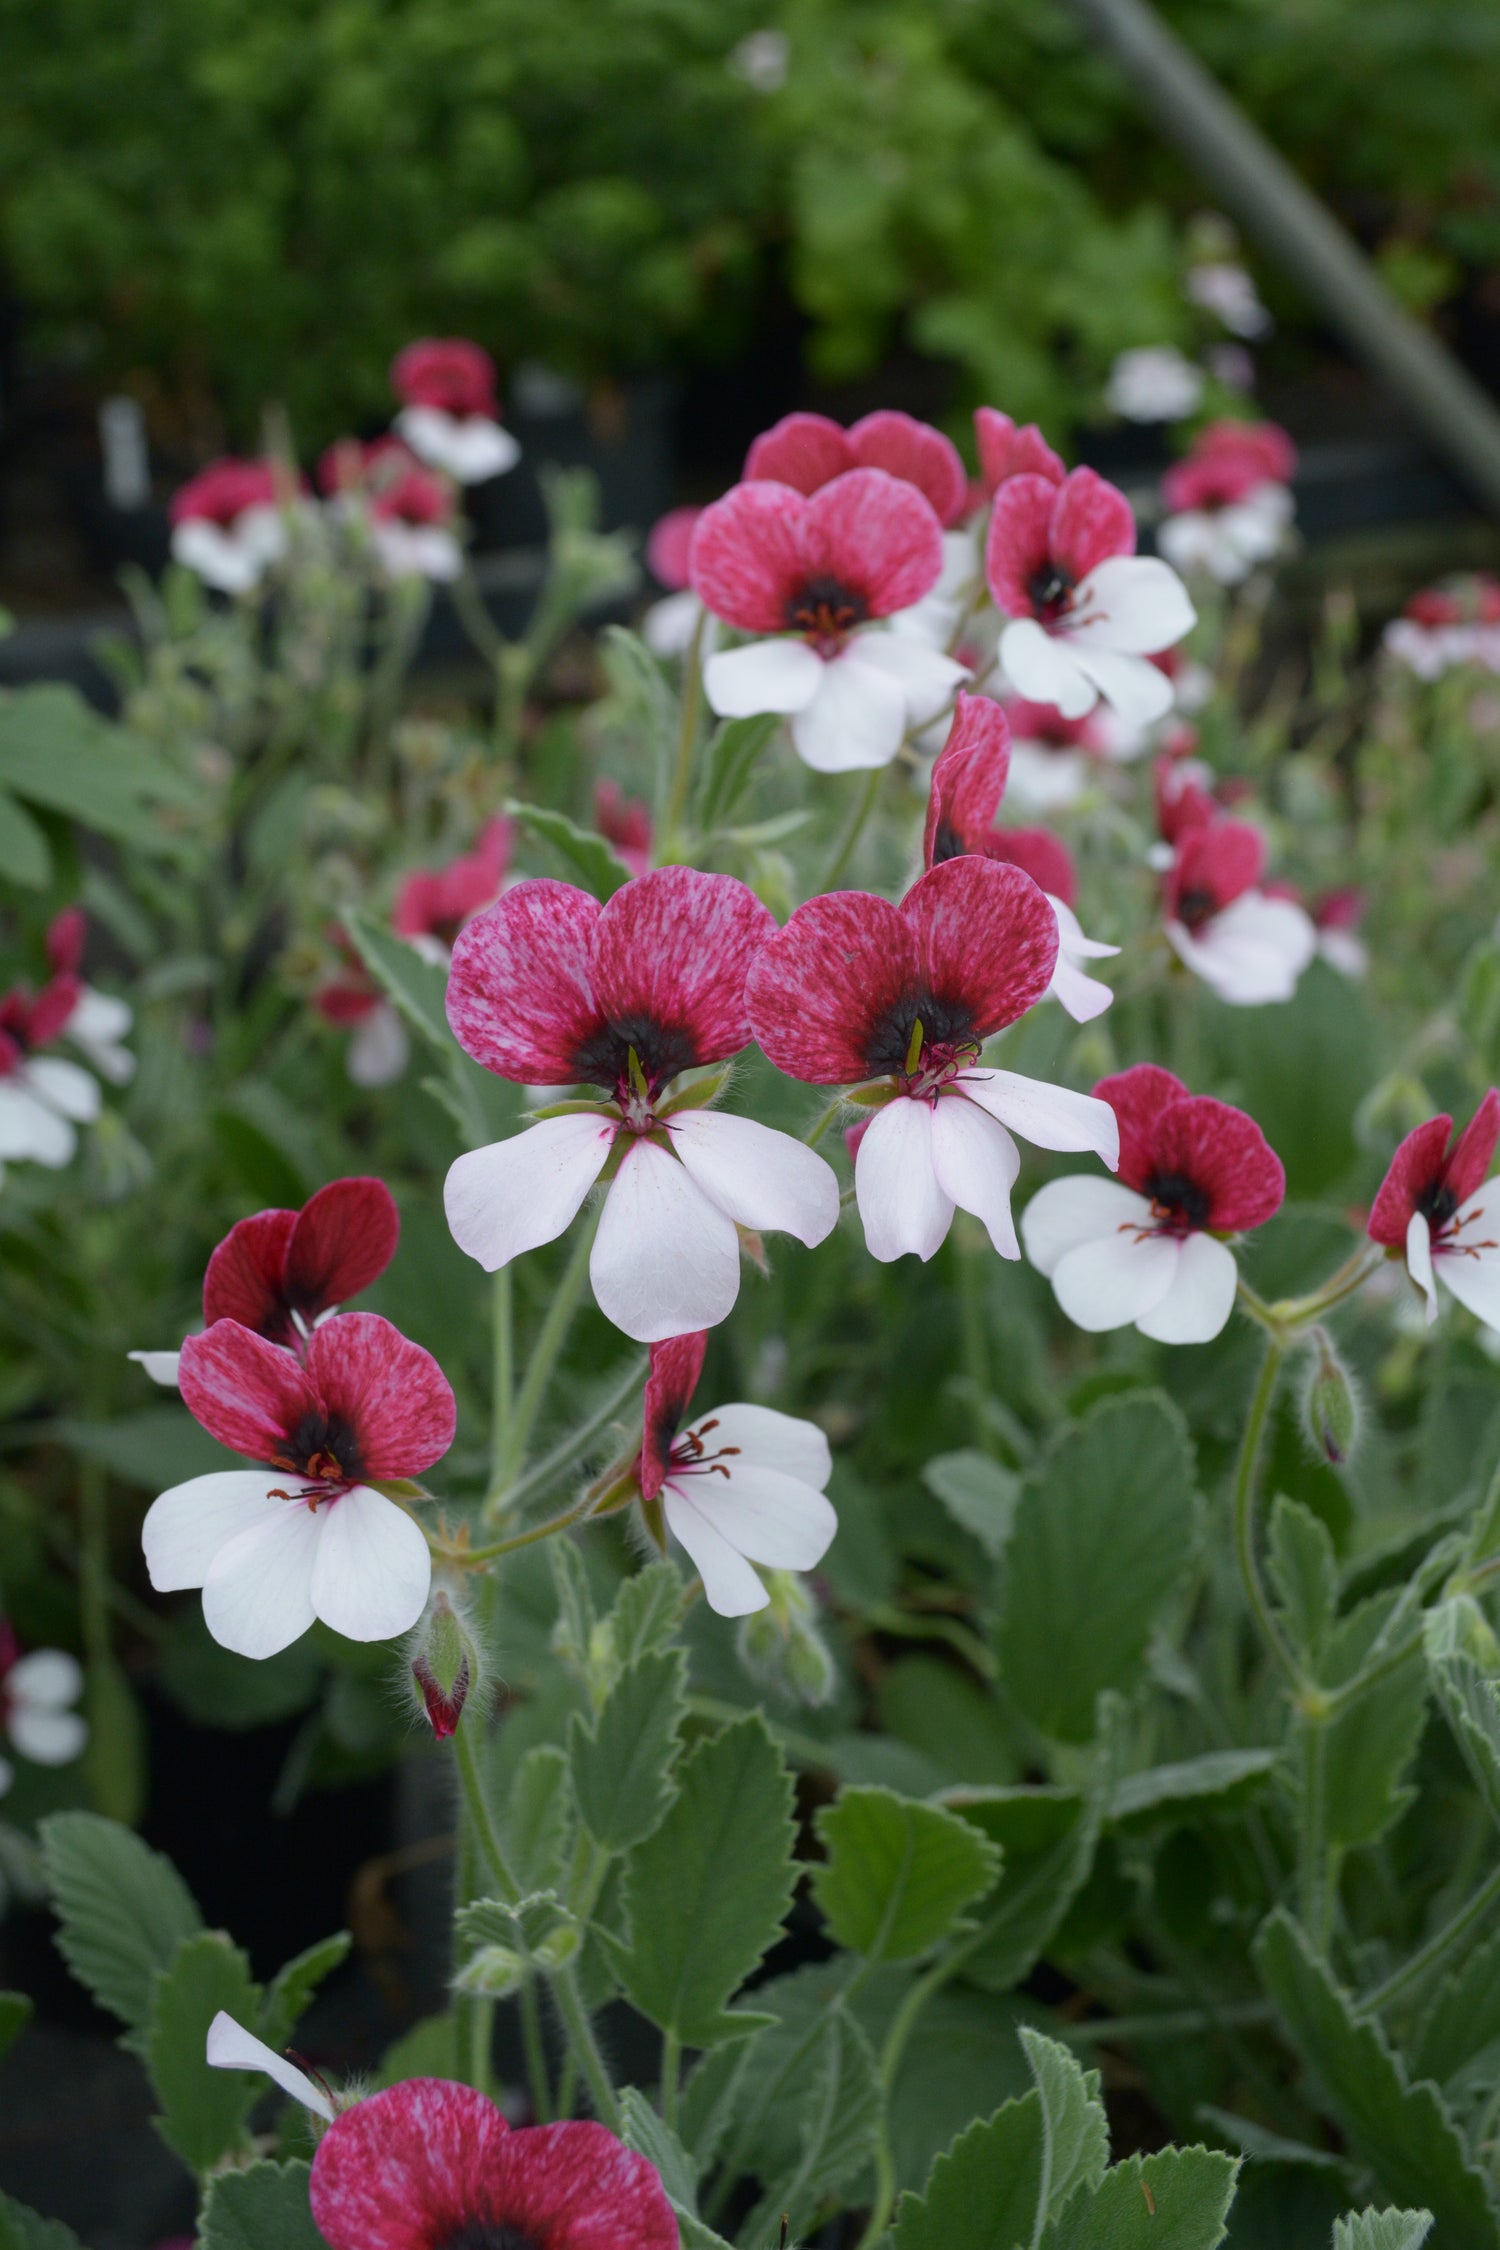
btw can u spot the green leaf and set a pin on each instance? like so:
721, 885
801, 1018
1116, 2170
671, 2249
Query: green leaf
723, 1856
961, 2061
983, 2194
263, 2208
898, 1873
1177, 2199
622, 1765
539, 1818
1371, 1744
1304, 1570
646, 1612
978, 1494
417, 988
734, 750
588, 860
24, 2229
1075, 2133
650, 2137
294, 1984
1048, 1837
124, 1910
1404, 2133
16, 2011
25, 854
56, 752
1301, 1070
202, 2110
838, 2116
1382, 2230
1103, 1531
1464, 2017
154, 1447
1470, 1702
1219, 1781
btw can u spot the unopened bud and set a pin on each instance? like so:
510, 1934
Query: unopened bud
782, 1645
493, 1973
1331, 1404
443, 1667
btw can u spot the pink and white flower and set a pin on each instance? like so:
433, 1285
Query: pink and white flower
1154, 383
671, 625
312, 1535
449, 415
1336, 918
230, 523
1009, 449
98, 1022
409, 512
968, 782
550, 988
807, 451
1229, 501
902, 999
37, 1695
1053, 760
1086, 612
813, 579
380, 1049
739, 1486
1149, 1249
1438, 1208
435, 903
44, 1098
1443, 626
1248, 946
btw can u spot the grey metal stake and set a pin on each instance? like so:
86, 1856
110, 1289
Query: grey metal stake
1261, 190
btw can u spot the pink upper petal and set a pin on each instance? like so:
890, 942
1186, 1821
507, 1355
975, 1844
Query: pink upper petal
406, 2169
246, 1276
805, 451
875, 535
823, 992
1138, 1096
248, 1393
672, 949
1090, 520
1214, 866
986, 946
388, 1390
449, 373
1227, 1158
1416, 1167
1008, 449
1045, 858
675, 1368
916, 452
575, 2187
669, 544
968, 780
746, 561
1469, 1165
343, 1239
438, 901
520, 995
1016, 549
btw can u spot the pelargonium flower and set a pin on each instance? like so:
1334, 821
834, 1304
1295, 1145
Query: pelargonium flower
808, 451
1183, 789
450, 416
1247, 946
1229, 501
409, 512
311, 1535
43, 1097
1336, 918
1085, 610
1149, 1248
229, 523
1053, 759
968, 782
434, 904
351, 1000
1227, 291
1154, 383
1442, 626
37, 1694
550, 988
739, 1486
857, 990
1008, 449
1437, 1206
624, 822
820, 575
98, 1022
670, 626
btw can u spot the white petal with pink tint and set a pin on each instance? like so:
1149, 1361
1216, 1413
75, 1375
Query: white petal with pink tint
231, 2047
669, 625
926, 676
517, 1194
257, 1595
378, 1053
769, 1518
1042, 668
1080, 1209
730, 1586
1042, 779
895, 1183
1137, 690
1083, 996
857, 718
188, 1525
373, 1568
30, 1128
666, 1261
772, 1441
763, 1179
976, 1163
1133, 604
72, 1092
1252, 954
1115, 1278
160, 1366
1197, 1306
1419, 1261
470, 447
1047, 1116
781, 675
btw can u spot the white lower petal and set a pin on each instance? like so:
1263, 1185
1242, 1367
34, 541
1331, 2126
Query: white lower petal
470, 447
1135, 688
63, 1086
857, 718
31, 1130
46, 1680
189, 1525
1041, 666
48, 1738
517, 1194
781, 675
1135, 604
257, 1596
229, 564
1047, 1116
1419, 1261
97, 1025
231, 2047
763, 1179
1081, 1209
380, 1049
417, 550
767, 1517
160, 1366
1116, 1278
1082, 996
771, 1441
669, 625
926, 676
896, 1186
1252, 954
976, 1162
1043, 780
1343, 951
730, 1586
373, 1567
1197, 1306
666, 1261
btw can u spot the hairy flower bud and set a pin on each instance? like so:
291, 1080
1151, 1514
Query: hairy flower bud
1331, 1404
443, 1666
782, 1645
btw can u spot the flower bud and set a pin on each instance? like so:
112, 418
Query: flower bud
782, 1645
1330, 1404
443, 1667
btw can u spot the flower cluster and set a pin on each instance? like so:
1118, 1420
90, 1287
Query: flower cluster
1247, 942
45, 1097
1229, 503
1457, 623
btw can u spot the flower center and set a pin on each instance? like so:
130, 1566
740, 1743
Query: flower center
324, 1448
1178, 1204
826, 612
1437, 1205
691, 1457
634, 1057
1195, 907
923, 1043
1050, 591
489, 2234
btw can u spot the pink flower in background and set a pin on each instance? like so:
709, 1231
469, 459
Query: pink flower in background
97, 1022
37, 1695
45, 1097
740, 1485
1085, 610
352, 1000
820, 575
624, 822
669, 547
1184, 799
1008, 449
1229, 501
855, 989
1248, 946
550, 988
1053, 759
229, 523
310, 1536
1456, 623
1146, 1248
670, 626
808, 451
450, 416
434, 904
1336, 918
1439, 1208
410, 512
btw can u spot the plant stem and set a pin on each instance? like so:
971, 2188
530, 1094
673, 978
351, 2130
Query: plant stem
502, 1376
1315, 1858
476, 1807
869, 791
1245, 1478
1427, 1956
586, 2048
687, 739
511, 1451
550, 1468
536, 2053
671, 2073
518, 1539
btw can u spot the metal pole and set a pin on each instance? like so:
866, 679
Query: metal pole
1265, 195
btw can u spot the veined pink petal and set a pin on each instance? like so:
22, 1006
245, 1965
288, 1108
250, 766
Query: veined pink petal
822, 990
986, 946
896, 1185
187, 1525
407, 2168
1226, 1156
246, 1276
674, 947
520, 994
1042, 856
388, 1390
1416, 1167
666, 1261
876, 535
1468, 1167
1017, 548
976, 1163
1139, 1096
856, 719
519, 1193
372, 1570
731, 1587
1082, 1208
257, 1593
676, 1365
1007, 450
246, 1392
342, 1239
1197, 1306
917, 453
1116, 1278
1091, 520
746, 562
968, 780
763, 1179
805, 451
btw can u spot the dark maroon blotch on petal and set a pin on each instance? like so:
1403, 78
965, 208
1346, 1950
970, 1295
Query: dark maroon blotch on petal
675, 1368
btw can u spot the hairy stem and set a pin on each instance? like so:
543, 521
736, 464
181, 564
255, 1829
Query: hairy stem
477, 1815
586, 2048
1427, 1957
687, 739
1246, 1476
511, 1451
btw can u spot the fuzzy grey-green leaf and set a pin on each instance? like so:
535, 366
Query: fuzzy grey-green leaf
898, 1873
